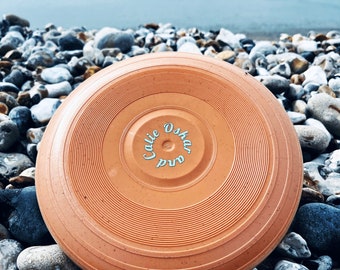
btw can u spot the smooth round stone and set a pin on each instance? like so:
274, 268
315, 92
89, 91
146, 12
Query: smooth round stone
334, 200
44, 110
287, 265
319, 225
296, 117
16, 77
4, 233
307, 46
299, 65
228, 56
13, 38
326, 109
43, 58
317, 124
9, 135
161, 47
262, 47
275, 83
44, 257
8, 87
56, 75
16, 20
312, 138
310, 195
58, 89
24, 220
13, 164
21, 116
315, 74
189, 47
9, 251
294, 246
183, 40
69, 43
113, 38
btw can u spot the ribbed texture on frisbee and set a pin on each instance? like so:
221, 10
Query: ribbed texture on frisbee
169, 161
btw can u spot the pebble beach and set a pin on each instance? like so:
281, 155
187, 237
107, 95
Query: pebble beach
40, 67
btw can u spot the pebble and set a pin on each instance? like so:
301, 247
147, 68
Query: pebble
275, 83
113, 38
12, 164
311, 138
9, 135
288, 265
24, 179
44, 110
21, 116
44, 257
23, 216
326, 109
316, 75
319, 225
56, 75
69, 42
9, 251
294, 246
322, 263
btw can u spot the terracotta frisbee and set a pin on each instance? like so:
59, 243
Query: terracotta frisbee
169, 161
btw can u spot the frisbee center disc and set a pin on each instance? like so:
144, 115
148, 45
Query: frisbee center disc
167, 147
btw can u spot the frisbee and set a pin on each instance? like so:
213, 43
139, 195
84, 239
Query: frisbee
169, 161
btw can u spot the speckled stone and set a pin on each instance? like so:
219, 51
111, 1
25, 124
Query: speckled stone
9, 251
312, 138
326, 109
44, 257
319, 225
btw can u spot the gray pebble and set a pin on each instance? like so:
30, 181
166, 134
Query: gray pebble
183, 40
13, 38
275, 83
263, 48
334, 83
9, 251
312, 138
287, 265
13, 164
296, 117
44, 110
9, 135
189, 47
326, 109
307, 46
44, 257
24, 218
315, 74
282, 69
333, 162
56, 75
43, 58
8, 87
113, 38
58, 89
294, 246
16, 77
21, 116
319, 225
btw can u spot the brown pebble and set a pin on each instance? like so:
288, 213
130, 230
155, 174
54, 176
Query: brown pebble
90, 71
297, 78
3, 108
153, 26
326, 89
228, 56
310, 195
21, 181
299, 65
